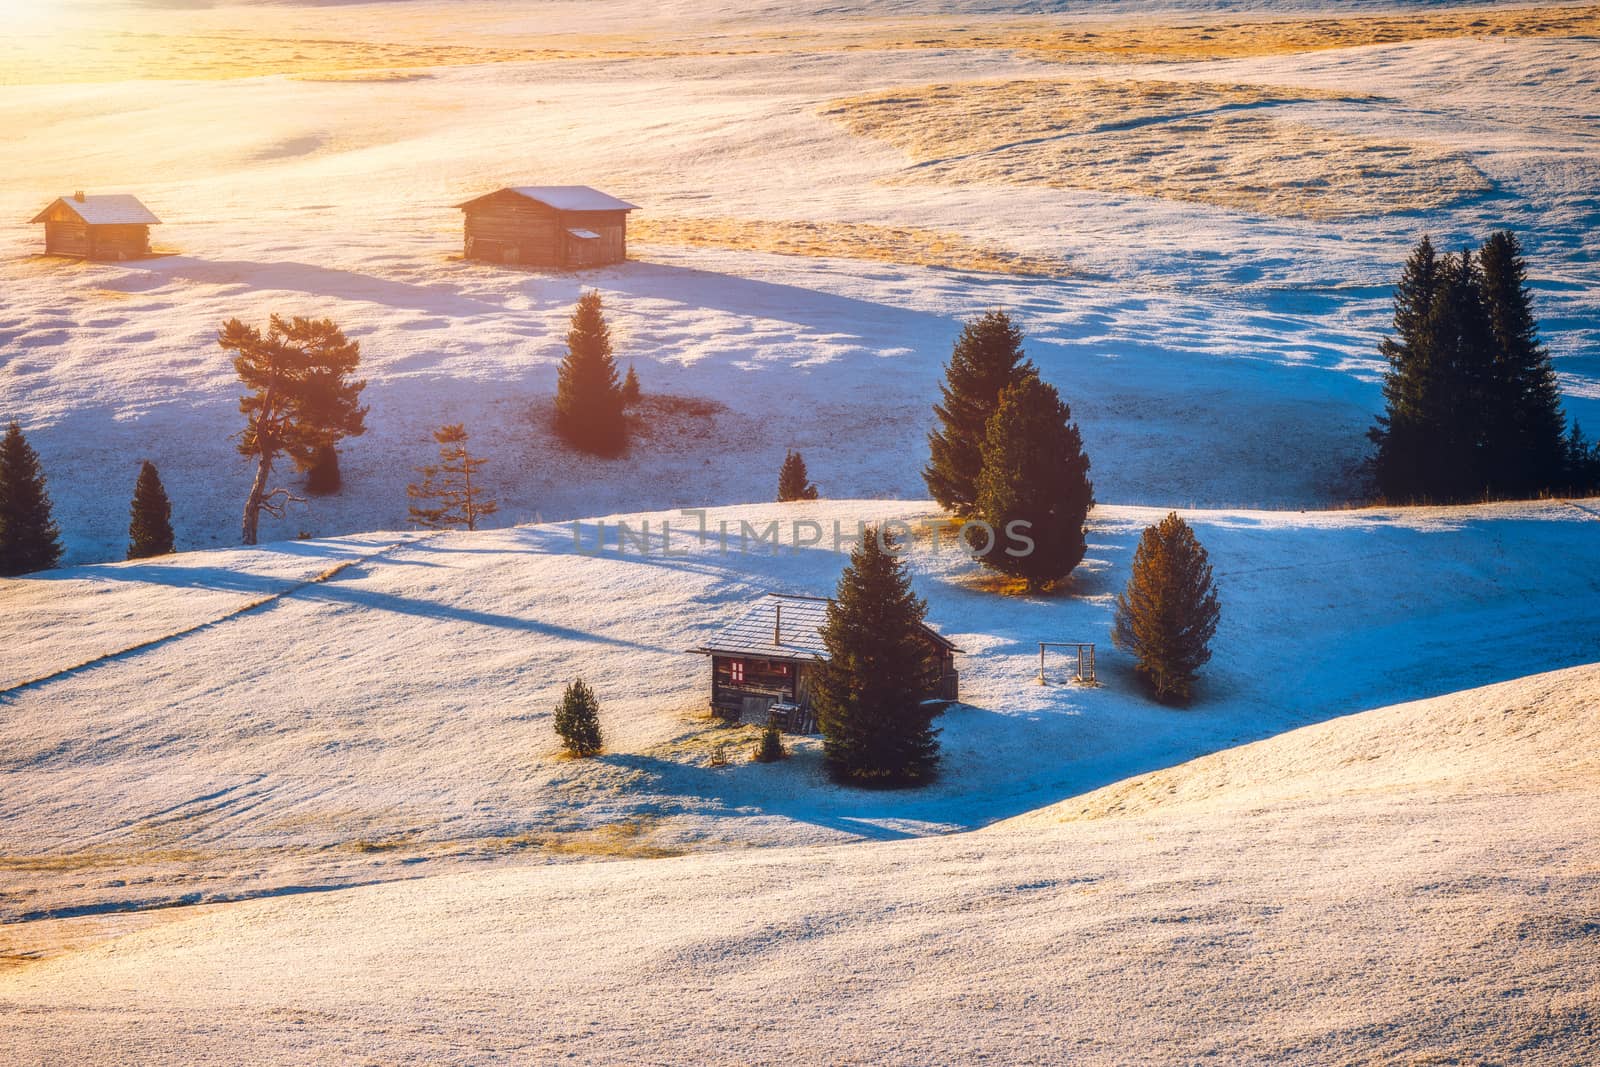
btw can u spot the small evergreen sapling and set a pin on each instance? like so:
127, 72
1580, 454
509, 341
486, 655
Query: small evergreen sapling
794, 483
459, 500
1034, 472
589, 401
150, 516
630, 388
29, 539
770, 748
870, 695
987, 358
324, 477
1168, 614
578, 720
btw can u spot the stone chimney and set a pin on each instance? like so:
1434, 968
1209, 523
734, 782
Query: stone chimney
78, 196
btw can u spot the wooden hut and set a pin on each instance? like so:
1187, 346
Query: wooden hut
566, 226
97, 227
767, 657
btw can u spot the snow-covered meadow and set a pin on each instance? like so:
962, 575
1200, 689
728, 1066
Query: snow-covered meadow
1196, 222
1216, 356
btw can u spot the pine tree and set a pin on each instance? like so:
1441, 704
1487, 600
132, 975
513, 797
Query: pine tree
1460, 343
460, 501
299, 397
793, 481
150, 516
869, 695
630, 388
1168, 614
29, 540
1034, 471
578, 720
1403, 431
589, 402
324, 477
770, 748
987, 358
1581, 468
1524, 420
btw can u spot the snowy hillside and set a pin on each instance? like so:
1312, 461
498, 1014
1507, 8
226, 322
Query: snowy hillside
1217, 354
1366, 903
393, 719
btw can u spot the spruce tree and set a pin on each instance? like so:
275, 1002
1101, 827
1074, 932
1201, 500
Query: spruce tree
794, 483
869, 695
1402, 431
29, 540
589, 402
770, 748
150, 516
1581, 468
578, 720
630, 388
1524, 420
987, 358
299, 397
324, 477
1460, 345
1034, 472
458, 500
1168, 614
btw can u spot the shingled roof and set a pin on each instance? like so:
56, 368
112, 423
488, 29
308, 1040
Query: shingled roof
562, 198
782, 626
116, 209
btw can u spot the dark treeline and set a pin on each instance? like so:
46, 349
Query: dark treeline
1472, 406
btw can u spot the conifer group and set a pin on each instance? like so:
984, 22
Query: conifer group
1472, 408
150, 516
29, 540
870, 693
589, 398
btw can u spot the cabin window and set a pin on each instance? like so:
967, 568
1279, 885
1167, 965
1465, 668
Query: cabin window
783, 669
736, 671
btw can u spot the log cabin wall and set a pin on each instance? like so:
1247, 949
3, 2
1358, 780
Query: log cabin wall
119, 242
508, 228
763, 680
66, 237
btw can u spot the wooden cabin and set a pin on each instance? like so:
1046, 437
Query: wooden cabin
767, 657
97, 227
566, 226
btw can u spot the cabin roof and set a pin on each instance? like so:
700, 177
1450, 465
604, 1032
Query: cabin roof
782, 626
561, 198
111, 209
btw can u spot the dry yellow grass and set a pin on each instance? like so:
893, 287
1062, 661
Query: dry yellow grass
243, 42
908, 245
1235, 146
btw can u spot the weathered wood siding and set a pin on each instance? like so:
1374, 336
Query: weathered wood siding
764, 681
507, 228
119, 242
66, 237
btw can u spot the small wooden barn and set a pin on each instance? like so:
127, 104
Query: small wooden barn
567, 226
766, 657
112, 227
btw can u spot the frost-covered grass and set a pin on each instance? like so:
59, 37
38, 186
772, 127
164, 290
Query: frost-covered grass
1408, 885
1248, 148
395, 718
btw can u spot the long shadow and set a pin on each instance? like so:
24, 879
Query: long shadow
750, 298
319, 281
